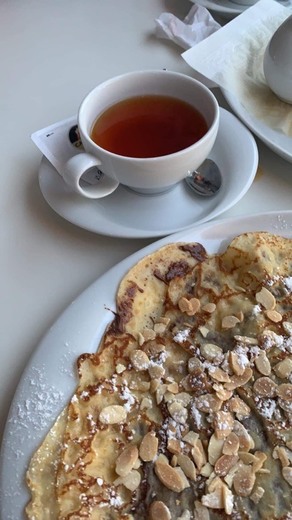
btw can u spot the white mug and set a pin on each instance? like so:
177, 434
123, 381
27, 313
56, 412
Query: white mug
145, 175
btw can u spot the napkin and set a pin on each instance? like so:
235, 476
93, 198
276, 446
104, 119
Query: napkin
196, 26
233, 58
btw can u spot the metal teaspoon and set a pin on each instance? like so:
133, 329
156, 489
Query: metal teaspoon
206, 180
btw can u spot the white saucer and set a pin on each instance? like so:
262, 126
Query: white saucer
224, 8
127, 214
228, 9
280, 143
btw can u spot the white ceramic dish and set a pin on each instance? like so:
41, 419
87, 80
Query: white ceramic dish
228, 9
127, 214
223, 8
49, 378
280, 143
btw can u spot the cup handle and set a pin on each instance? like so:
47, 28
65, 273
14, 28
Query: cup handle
81, 172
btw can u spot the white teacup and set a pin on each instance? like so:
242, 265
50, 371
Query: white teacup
145, 175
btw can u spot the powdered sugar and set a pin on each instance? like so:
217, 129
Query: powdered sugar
36, 410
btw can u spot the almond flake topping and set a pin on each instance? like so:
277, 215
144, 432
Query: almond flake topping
274, 316
148, 447
113, 414
266, 299
262, 363
172, 478
264, 386
159, 510
126, 460
229, 322
223, 424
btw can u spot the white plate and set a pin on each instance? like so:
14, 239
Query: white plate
224, 8
49, 379
228, 9
127, 214
280, 143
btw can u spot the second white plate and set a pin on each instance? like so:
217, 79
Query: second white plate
127, 214
228, 9
280, 143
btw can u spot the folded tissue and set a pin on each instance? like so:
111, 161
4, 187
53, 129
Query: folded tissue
196, 26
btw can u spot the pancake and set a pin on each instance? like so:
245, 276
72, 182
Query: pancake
185, 410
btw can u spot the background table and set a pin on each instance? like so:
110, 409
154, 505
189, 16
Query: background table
52, 52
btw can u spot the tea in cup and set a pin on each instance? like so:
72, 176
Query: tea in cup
146, 130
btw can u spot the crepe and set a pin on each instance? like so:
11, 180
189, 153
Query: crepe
185, 411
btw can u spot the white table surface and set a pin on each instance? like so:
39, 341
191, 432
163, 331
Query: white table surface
52, 52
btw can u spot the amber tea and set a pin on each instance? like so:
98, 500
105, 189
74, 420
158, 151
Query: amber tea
148, 126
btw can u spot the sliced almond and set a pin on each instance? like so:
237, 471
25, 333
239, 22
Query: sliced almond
215, 448
174, 446
194, 364
159, 328
266, 299
198, 454
120, 368
113, 414
262, 363
159, 510
191, 438
146, 403
239, 407
161, 389
153, 348
213, 500
221, 392
284, 391
229, 322
148, 334
209, 307
245, 441
236, 363
257, 494
190, 307
224, 464
231, 445
247, 458
206, 470
172, 478
230, 475
283, 369
139, 360
237, 381
287, 474
173, 388
223, 424
126, 460
156, 371
244, 480
246, 340
281, 453
204, 331
228, 499
219, 375
287, 326
265, 386
154, 384
211, 352
208, 403
187, 465
274, 316
130, 481
178, 412
148, 447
